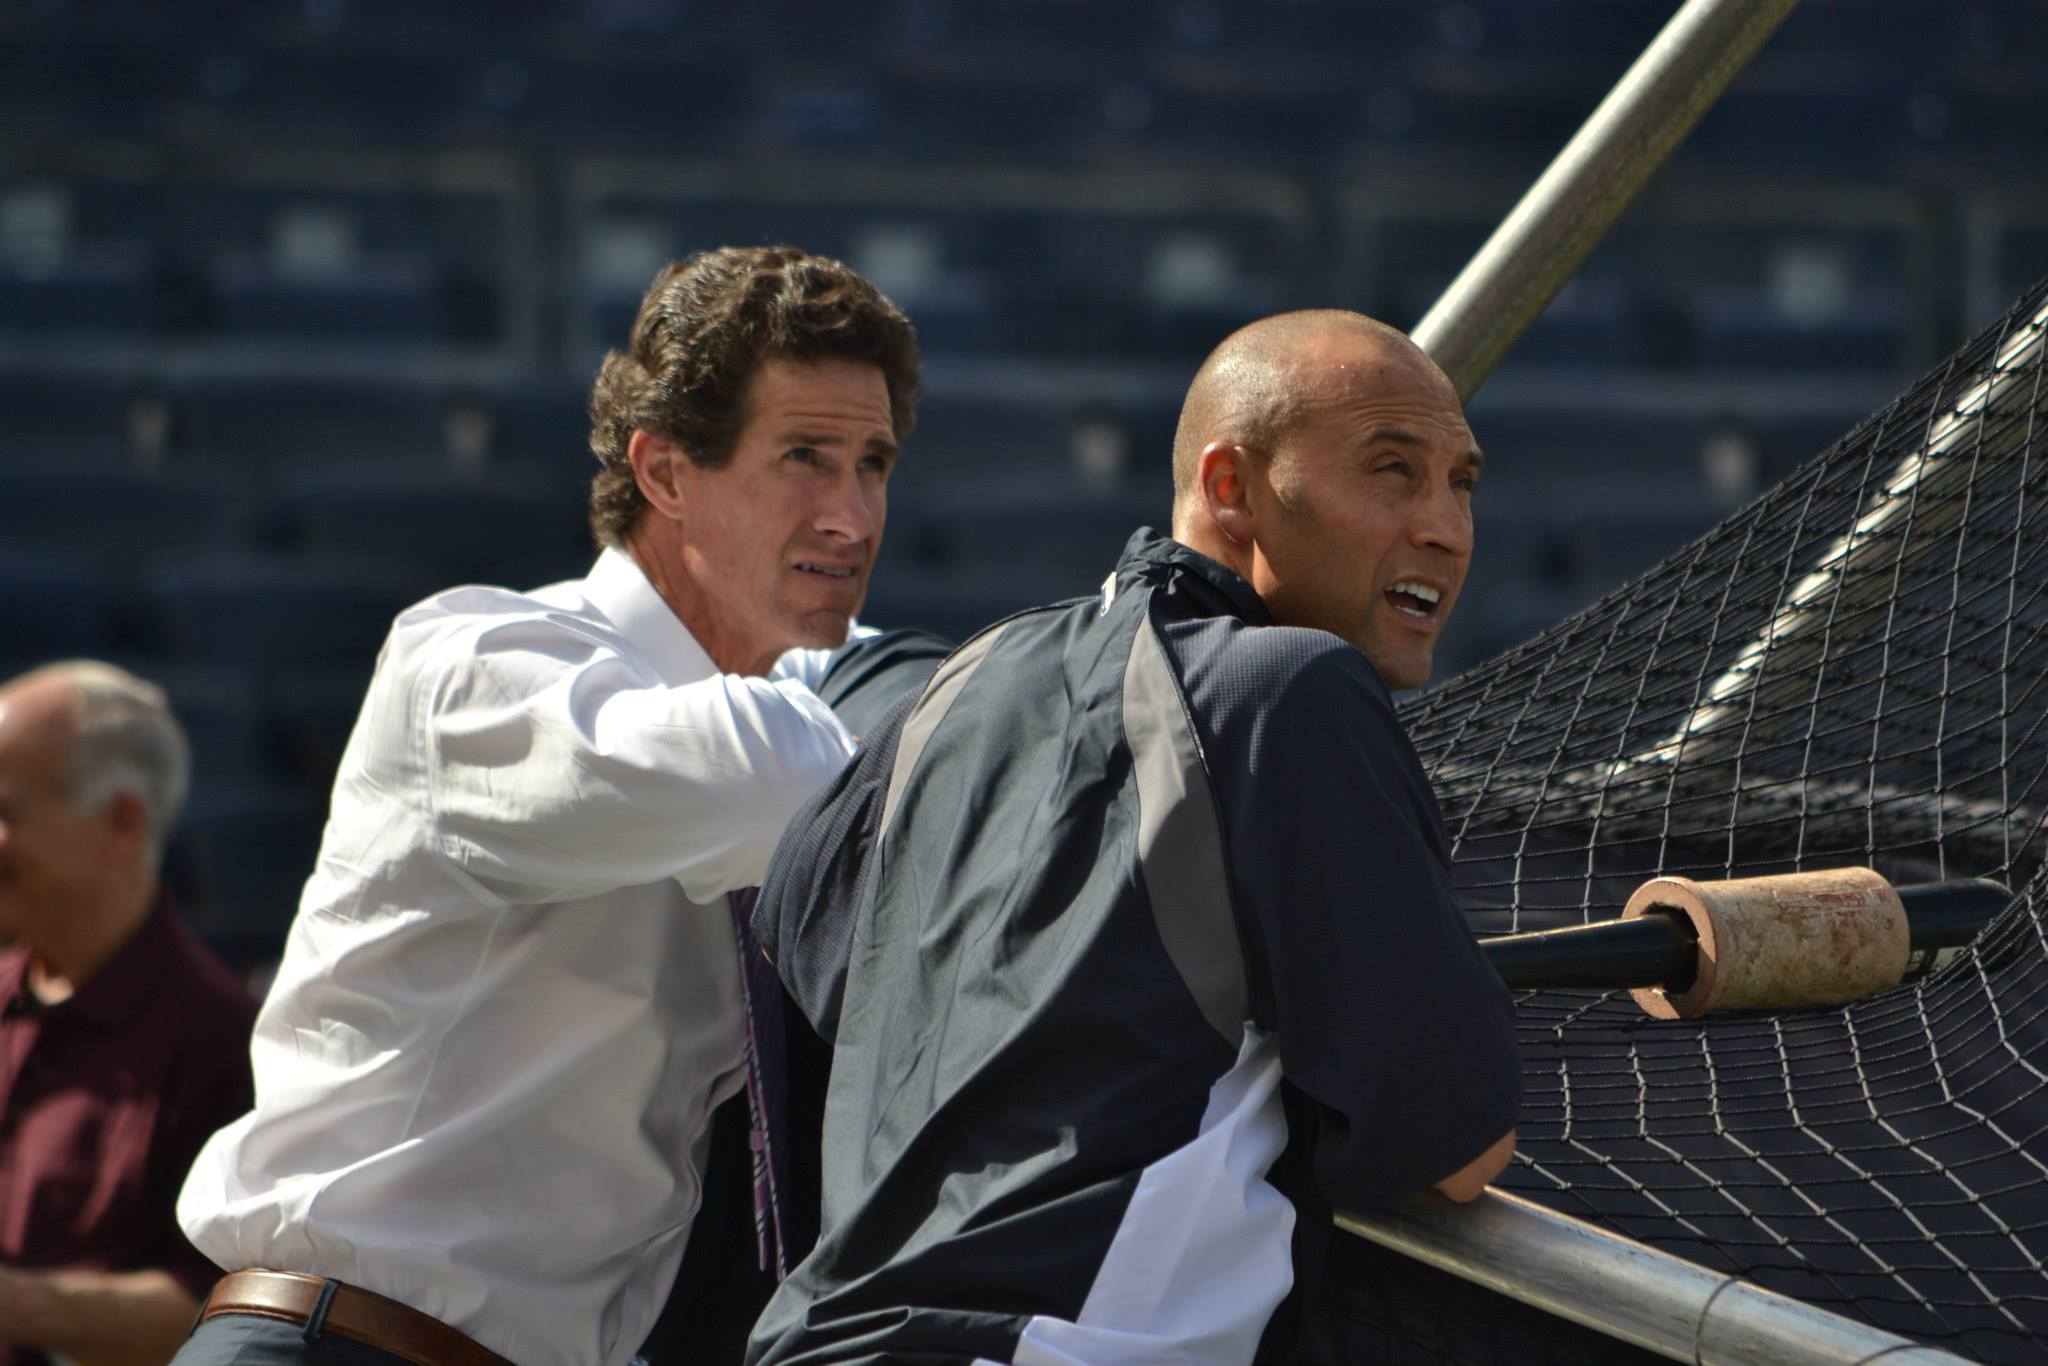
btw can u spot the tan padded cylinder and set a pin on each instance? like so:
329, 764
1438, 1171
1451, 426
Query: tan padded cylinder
1796, 939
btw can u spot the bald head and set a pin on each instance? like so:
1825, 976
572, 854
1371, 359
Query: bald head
1259, 383
100, 730
1326, 460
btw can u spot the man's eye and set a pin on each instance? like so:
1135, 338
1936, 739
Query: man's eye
802, 454
875, 464
1391, 467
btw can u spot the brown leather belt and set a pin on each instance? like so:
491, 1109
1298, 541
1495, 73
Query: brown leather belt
350, 1312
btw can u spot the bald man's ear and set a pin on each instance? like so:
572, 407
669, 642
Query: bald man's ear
1222, 473
658, 465
128, 821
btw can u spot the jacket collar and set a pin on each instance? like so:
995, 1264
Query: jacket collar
1215, 589
619, 588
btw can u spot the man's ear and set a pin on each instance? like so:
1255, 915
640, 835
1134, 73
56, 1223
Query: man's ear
128, 819
1222, 474
658, 465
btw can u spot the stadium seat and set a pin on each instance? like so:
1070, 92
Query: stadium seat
237, 863
106, 290
539, 424
308, 718
60, 421
1286, 122
54, 606
1802, 125
497, 528
121, 516
253, 424
85, 80
956, 604
957, 436
964, 109
267, 615
1737, 332
2022, 259
394, 297
1041, 529
316, 90
631, 99
222, 720
1550, 444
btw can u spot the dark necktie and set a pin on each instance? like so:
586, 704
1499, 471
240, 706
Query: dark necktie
767, 1082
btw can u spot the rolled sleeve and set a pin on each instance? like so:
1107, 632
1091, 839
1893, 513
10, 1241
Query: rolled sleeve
550, 779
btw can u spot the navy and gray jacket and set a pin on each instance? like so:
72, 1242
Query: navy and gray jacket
1136, 935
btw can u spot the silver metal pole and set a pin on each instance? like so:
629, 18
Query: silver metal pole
1571, 206
1617, 1286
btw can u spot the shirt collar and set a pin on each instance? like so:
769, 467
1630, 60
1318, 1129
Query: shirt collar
619, 588
1217, 589
135, 971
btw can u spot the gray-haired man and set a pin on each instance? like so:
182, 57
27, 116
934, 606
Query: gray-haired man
123, 1043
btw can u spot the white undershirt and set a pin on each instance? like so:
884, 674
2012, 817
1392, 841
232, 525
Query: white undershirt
510, 998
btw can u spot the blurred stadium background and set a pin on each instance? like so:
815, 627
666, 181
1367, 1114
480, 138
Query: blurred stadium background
299, 298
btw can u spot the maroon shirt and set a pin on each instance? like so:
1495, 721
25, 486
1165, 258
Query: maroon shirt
105, 1099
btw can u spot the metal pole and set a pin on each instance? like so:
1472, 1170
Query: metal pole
1571, 206
1617, 1286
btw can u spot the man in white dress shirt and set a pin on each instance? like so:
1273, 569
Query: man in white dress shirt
511, 997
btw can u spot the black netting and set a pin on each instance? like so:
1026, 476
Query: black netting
1852, 670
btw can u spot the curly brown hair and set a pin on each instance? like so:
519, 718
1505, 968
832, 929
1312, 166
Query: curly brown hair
707, 323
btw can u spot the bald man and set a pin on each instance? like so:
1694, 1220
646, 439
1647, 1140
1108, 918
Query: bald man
123, 1043
1136, 930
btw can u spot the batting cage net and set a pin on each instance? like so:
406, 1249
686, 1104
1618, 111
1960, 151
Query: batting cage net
1851, 671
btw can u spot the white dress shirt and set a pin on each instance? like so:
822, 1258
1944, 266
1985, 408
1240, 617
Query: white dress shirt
510, 999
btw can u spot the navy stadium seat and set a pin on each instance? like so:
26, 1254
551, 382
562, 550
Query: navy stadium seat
52, 606
318, 90
109, 289
394, 297
954, 604
259, 423
267, 615
971, 108
1284, 122
540, 425
223, 721
961, 435
1608, 531
57, 421
238, 862
1569, 443
1039, 527
82, 80
309, 718
498, 528
1743, 333
121, 516
630, 100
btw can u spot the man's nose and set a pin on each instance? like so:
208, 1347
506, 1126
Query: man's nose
1444, 522
846, 510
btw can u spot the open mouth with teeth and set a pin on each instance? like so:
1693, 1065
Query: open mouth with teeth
830, 571
1417, 600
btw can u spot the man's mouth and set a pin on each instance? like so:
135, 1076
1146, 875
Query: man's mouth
830, 571
1411, 599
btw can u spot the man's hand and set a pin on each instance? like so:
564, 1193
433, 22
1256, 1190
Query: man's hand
96, 1318
1464, 1184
